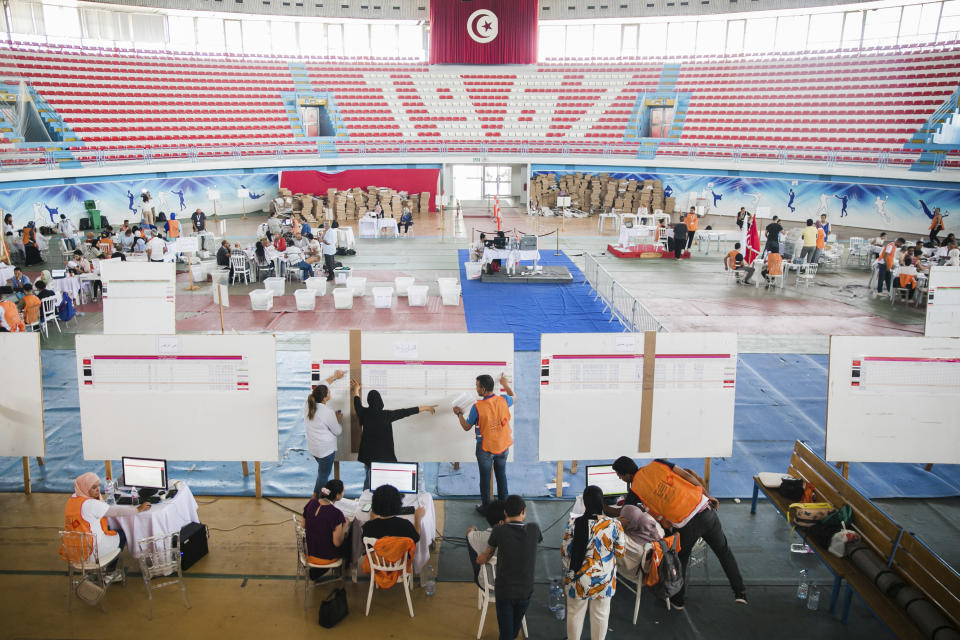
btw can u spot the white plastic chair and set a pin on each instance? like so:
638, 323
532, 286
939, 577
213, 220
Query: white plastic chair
241, 268
48, 313
160, 557
304, 565
379, 564
79, 550
806, 274
486, 597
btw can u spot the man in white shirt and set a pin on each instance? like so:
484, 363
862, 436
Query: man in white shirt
156, 248
495, 515
330, 249
314, 249
126, 240
67, 230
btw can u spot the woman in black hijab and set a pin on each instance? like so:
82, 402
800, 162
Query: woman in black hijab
376, 440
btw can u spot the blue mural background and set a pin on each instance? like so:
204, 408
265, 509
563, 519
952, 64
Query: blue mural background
114, 196
867, 203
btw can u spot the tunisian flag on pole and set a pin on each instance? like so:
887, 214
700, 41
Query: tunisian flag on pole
753, 241
483, 31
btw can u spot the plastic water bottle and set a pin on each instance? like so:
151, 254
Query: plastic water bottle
134, 496
804, 587
110, 495
430, 586
557, 605
813, 598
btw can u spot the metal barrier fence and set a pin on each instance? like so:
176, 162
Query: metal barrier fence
623, 306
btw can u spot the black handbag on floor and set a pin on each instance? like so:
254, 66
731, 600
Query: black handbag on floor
333, 609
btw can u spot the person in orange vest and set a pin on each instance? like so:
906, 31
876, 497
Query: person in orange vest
172, 227
692, 222
936, 226
821, 245
677, 499
10, 319
87, 513
907, 279
30, 305
734, 261
885, 262
489, 417
774, 266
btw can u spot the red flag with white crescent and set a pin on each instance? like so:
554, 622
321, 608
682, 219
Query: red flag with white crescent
496, 211
753, 241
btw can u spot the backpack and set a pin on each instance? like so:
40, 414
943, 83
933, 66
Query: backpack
665, 577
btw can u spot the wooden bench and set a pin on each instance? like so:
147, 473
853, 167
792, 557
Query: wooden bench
919, 566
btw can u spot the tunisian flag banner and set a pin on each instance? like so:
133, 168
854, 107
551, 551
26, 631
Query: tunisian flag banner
483, 31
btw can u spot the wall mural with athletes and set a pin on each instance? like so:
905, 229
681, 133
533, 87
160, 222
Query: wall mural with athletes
120, 199
870, 204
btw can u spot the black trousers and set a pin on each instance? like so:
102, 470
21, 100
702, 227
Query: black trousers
679, 244
329, 264
933, 237
690, 236
706, 525
883, 277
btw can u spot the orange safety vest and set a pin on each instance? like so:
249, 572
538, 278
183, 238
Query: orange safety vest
28, 236
174, 231
908, 281
731, 259
493, 423
12, 316
31, 308
774, 264
665, 493
936, 223
391, 549
106, 246
887, 256
73, 520
691, 221
821, 238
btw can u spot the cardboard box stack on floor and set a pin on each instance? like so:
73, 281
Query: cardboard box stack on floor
424, 202
657, 202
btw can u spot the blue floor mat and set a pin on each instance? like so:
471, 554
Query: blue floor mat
780, 399
527, 309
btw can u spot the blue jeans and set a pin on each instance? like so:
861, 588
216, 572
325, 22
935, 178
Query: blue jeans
510, 616
306, 270
69, 243
497, 462
324, 468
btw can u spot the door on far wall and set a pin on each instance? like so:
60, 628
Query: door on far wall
496, 180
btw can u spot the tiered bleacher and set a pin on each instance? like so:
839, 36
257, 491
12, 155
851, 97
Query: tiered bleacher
119, 102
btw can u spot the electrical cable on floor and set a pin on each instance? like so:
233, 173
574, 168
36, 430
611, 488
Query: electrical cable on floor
252, 524
33, 526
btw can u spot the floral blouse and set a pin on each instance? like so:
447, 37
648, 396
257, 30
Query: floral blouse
597, 577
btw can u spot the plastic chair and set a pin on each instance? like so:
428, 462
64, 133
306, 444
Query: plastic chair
160, 557
304, 565
379, 564
486, 597
806, 274
79, 550
241, 268
48, 313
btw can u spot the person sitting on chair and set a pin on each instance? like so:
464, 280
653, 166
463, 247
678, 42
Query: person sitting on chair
406, 220
10, 319
734, 261
495, 515
86, 512
908, 276
385, 519
326, 528
30, 305
773, 267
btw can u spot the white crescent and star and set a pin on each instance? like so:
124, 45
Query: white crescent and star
483, 26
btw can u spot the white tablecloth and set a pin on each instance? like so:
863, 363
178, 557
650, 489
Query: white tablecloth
637, 235
428, 525
70, 285
509, 255
345, 238
6, 272
169, 516
373, 227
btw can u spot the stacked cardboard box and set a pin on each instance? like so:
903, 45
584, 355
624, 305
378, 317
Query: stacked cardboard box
424, 202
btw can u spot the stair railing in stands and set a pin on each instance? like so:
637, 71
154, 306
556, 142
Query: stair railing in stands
622, 305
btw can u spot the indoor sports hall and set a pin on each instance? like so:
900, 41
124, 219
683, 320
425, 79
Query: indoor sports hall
480, 318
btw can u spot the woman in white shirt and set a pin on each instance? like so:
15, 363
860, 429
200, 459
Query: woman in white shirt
322, 426
953, 257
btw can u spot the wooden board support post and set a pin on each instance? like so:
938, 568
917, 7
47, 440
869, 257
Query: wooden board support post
706, 473
559, 478
256, 473
26, 475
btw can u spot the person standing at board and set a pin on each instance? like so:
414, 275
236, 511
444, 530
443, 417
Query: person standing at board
490, 419
322, 426
376, 439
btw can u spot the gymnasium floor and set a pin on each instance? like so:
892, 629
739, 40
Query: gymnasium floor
244, 588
